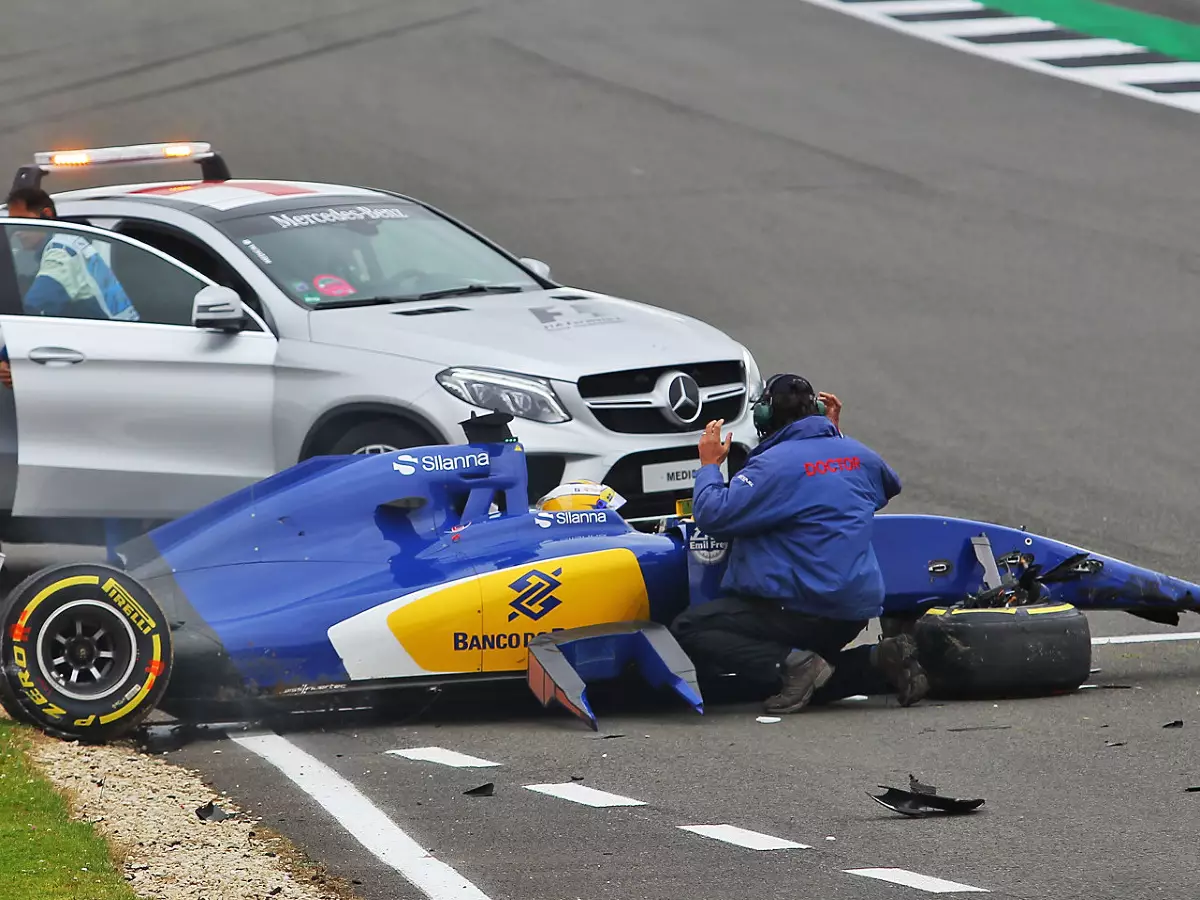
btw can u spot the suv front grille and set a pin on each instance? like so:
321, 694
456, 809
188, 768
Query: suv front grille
635, 401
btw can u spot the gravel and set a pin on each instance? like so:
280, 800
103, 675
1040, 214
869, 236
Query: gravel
146, 808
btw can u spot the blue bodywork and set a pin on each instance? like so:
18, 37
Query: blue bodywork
253, 583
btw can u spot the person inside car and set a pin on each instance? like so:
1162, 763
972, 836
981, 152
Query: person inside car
802, 579
72, 277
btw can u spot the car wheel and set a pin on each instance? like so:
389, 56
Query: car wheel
379, 436
1039, 649
85, 652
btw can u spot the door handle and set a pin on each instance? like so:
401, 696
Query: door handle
59, 355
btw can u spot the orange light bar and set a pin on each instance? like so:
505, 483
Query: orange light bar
134, 153
70, 158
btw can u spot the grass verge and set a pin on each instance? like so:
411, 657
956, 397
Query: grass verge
43, 854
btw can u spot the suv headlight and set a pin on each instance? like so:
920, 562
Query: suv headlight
523, 396
754, 379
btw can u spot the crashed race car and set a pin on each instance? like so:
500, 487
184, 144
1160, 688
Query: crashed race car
353, 574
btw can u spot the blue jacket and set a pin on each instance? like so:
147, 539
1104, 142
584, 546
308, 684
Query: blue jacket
800, 515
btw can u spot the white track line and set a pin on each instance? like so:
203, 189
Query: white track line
899, 7
1147, 73
1047, 50
577, 793
916, 880
949, 35
752, 840
982, 27
1147, 638
443, 756
370, 827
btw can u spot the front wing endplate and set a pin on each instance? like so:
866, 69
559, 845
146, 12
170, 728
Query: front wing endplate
562, 663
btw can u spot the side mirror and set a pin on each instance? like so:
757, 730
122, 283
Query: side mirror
539, 268
218, 307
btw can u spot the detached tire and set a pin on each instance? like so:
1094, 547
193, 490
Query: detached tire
85, 652
1023, 651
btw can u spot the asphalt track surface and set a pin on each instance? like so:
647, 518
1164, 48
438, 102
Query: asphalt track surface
996, 271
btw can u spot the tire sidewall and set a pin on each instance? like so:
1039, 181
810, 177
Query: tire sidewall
30, 606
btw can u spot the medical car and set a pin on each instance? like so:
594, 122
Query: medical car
282, 320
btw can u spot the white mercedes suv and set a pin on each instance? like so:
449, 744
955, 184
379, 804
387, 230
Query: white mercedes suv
282, 320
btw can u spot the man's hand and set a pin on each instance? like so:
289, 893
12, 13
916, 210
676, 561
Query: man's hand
712, 451
5, 374
833, 407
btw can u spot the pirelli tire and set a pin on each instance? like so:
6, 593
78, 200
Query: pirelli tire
1023, 651
85, 652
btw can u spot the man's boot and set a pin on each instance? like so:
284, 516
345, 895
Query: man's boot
896, 657
803, 672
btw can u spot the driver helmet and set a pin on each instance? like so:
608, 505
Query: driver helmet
580, 494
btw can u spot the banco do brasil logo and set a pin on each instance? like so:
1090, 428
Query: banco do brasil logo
535, 594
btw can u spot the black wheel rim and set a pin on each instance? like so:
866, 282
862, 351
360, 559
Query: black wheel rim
86, 650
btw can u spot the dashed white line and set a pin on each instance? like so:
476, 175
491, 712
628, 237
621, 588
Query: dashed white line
1147, 638
370, 827
577, 793
443, 756
917, 880
753, 840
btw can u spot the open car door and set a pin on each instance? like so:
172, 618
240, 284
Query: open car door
146, 418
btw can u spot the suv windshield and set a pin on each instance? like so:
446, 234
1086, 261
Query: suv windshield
350, 254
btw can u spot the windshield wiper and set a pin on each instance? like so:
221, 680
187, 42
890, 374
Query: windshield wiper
342, 302
459, 291
465, 289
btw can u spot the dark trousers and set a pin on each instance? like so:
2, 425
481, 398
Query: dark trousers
751, 638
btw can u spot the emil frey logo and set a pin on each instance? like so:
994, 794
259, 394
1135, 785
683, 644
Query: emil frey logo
535, 594
707, 550
572, 517
407, 464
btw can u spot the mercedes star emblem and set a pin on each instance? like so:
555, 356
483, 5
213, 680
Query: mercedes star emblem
683, 399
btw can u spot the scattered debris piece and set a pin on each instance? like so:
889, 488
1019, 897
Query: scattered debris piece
610, 736
982, 728
577, 778
768, 720
210, 812
916, 805
1093, 671
1192, 790
1114, 743
484, 790
1178, 723
916, 786
831, 838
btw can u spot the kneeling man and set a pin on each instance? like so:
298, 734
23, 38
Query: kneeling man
802, 579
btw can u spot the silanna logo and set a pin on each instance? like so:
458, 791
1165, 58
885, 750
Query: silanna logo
572, 517
535, 594
407, 464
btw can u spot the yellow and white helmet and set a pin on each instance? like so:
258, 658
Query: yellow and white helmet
581, 495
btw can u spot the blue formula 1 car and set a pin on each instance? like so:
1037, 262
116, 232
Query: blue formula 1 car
352, 574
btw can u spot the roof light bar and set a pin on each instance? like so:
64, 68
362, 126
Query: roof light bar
212, 166
135, 153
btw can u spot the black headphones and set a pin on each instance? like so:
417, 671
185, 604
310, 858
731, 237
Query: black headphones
764, 410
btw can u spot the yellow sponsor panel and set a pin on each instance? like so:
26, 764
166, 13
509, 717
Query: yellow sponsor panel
423, 626
486, 624
568, 592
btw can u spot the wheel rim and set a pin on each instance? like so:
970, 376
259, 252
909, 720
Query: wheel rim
86, 650
374, 449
